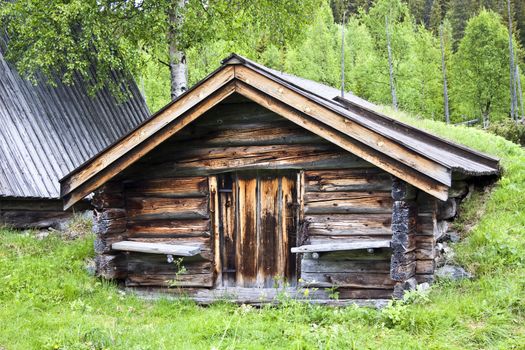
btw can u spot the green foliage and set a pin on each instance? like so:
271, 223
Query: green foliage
510, 130
59, 38
318, 57
481, 69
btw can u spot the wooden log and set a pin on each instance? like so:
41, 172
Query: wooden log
334, 266
155, 264
109, 227
376, 254
208, 161
111, 266
426, 225
347, 202
33, 219
169, 228
402, 191
349, 224
156, 248
347, 279
140, 208
214, 209
425, 266
103, 243
109, 214
354, 293
260, 296
361, 179
169, 187
425, 253
261, 133
48, 205
404, 225
204, 243
331, 247
447, 209
174, 280
402, 272
322, 240
302, 227
103, 200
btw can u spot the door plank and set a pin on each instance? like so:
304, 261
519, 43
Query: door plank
246, 257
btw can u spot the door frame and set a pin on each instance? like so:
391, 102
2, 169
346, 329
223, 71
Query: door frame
216, 214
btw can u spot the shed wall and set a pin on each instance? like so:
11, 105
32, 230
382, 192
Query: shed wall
165, 197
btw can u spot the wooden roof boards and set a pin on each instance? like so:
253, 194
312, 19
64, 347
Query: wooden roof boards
424, 160
47, 131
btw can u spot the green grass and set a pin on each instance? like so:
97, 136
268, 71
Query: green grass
49, 301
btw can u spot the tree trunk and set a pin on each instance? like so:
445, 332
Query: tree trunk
177, 57
444, 68
520, 92
390, 66
513, 101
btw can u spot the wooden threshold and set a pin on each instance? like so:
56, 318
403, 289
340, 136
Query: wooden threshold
254, 296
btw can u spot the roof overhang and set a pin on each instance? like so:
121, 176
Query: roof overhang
238, 76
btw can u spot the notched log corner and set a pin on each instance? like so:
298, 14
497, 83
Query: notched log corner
111, 266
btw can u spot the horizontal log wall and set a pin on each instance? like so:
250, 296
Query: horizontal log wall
37, 213
345, 198
342, 206
173, 211
109, 225
426, 237
240, 136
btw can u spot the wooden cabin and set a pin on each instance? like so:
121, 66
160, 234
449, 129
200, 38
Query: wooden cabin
46, 132
255, 182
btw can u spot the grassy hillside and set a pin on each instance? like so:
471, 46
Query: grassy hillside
49, 301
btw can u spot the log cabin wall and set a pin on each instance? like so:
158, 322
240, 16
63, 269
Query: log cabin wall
170, 196
427, 228
172, 211
36, 213
109, 226
343, 206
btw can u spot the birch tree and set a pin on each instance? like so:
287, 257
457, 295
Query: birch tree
59, 38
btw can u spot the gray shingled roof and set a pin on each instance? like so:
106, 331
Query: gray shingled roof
46, 132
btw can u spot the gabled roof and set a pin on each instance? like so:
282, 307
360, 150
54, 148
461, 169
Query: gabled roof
47, 131
423, 160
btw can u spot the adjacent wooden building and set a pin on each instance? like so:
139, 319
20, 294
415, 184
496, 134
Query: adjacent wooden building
255, 182
45, 133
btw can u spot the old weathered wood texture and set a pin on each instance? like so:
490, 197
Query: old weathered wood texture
241, 136
35, 213
404, 226
246, 186
348, 207
172, 212
428, 230
109, 225
258, 228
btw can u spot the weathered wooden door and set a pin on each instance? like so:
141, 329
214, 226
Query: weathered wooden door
257, 228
